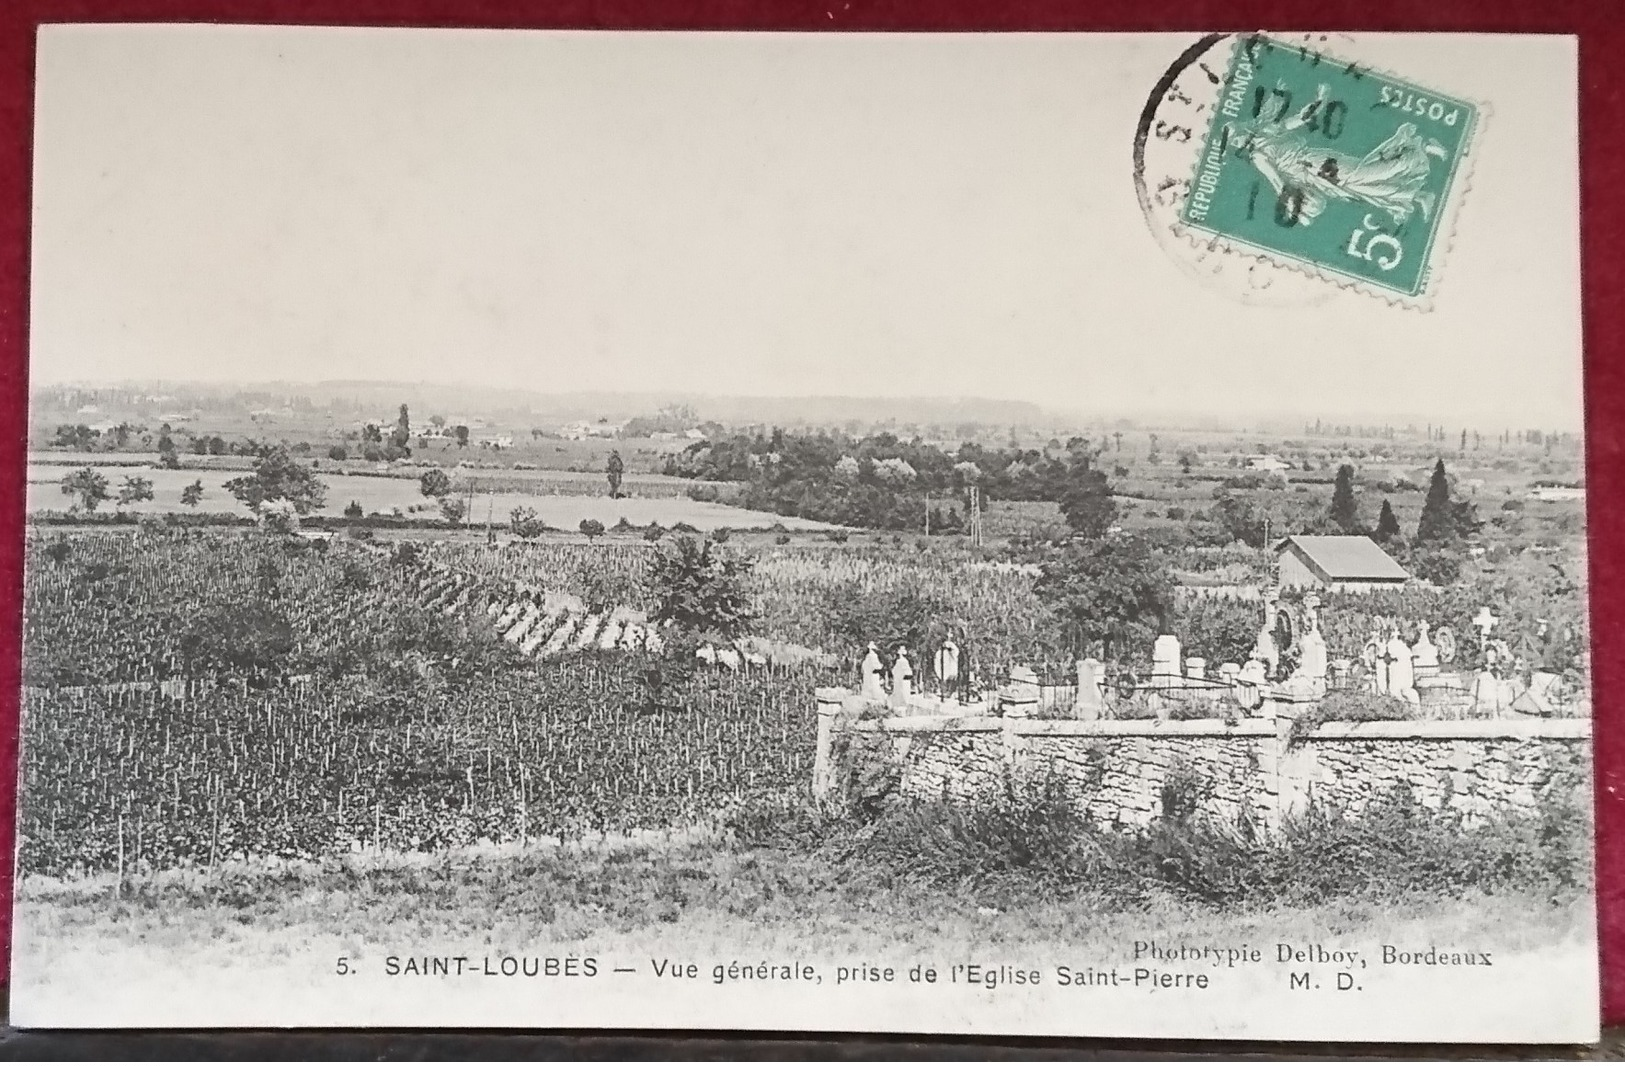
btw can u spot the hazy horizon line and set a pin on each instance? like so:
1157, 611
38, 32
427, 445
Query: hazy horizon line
1395, 419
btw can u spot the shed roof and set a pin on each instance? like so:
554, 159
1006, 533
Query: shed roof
1347, 558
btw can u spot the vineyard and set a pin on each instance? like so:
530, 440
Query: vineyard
194, 695
322, 698
136, 781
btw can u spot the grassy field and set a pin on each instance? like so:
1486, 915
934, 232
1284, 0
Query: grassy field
696, 888
559, 498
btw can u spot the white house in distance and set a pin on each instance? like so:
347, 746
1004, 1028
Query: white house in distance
1267, 464
1339, 564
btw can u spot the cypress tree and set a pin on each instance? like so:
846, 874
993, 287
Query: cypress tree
1344, 509
1438, 517
1387, 524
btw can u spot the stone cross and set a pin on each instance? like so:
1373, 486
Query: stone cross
1486, 624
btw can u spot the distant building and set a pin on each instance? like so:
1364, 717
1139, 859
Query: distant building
1268, 464
583, 430
1340, 564
1557, 493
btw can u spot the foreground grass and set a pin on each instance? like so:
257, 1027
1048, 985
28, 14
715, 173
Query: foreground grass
698, 895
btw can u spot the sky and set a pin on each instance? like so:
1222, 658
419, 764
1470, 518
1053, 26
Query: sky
786, 215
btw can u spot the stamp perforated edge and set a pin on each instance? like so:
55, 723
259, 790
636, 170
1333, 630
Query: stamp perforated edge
1444, 236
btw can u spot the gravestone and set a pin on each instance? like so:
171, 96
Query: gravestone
1424, 654
902, 679
872, 689
1090, 702
1165, 671
1401, 673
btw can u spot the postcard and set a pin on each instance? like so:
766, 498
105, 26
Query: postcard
1060, 534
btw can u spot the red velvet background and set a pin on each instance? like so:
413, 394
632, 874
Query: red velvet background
1599, 25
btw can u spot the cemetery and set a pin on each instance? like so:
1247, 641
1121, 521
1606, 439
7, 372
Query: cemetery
1258, 740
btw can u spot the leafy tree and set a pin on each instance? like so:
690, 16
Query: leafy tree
353, 509
1345, 509
278, 476
591, 528
613, 470
338, 453
1239, 519
452, 508
653, 532
167, 459
1087, 502
700, 587
88, 485
525, 523
1387, 524
192, 495
461, 433
249, 639
134, 490
434, 483
1117, 592
79, 438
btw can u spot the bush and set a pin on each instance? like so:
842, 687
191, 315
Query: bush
526, 523
1440, 567
434, 483
1028, 841
782, 539
1348, 707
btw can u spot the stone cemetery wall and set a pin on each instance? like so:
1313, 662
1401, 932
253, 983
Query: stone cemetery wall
1117, 769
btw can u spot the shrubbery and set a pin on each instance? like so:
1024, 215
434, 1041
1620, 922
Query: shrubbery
1032, 842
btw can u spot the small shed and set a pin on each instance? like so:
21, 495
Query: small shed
1340, 564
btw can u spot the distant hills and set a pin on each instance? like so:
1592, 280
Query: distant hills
424, 397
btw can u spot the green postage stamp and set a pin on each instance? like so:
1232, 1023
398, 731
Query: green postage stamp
1327, 164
